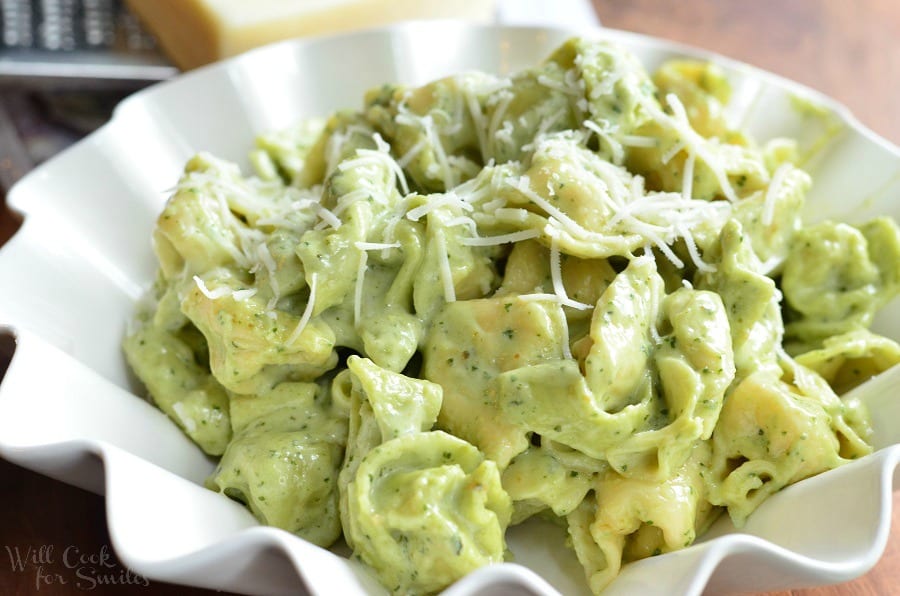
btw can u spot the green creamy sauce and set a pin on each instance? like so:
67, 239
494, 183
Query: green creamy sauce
828, 126
573, 293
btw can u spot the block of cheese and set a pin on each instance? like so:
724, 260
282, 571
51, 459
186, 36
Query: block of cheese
196, 32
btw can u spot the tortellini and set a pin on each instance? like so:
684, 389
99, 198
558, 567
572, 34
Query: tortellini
425, 509
619, 411
633, 518
473, 342
575, 292
838, 276
382, 405
181, 387
850, 359
777, 429
283, 460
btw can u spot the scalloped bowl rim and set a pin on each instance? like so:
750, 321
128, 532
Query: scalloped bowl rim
95, 452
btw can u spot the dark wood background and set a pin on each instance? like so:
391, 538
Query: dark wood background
847, 49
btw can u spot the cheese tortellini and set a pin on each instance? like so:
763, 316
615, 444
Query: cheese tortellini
574, 293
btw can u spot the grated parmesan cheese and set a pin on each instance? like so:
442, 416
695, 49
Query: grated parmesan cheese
478, 120
615, 147
571, 226
242, 295
694, 252
329, 218
308, 311
671, 152
376, 245
564, 342
500, 239
183, 417
503, 98
511, 214
265, 257
211, 294
562, 87
361, 269
445, 271
441, 168
411, 153
692, 139
559, 288
381, 155
545, 297
449, 198
772, 192
638, 141
687, 180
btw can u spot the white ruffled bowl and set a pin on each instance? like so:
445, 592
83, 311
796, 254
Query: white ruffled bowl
72, 273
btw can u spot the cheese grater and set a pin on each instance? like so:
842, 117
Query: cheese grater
88, 44
76, 43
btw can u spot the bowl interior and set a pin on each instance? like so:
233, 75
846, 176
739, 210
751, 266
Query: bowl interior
83, 257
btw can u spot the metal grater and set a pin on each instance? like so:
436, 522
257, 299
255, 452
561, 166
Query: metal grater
76, 43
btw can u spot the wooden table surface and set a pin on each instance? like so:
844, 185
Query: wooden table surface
847, 49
